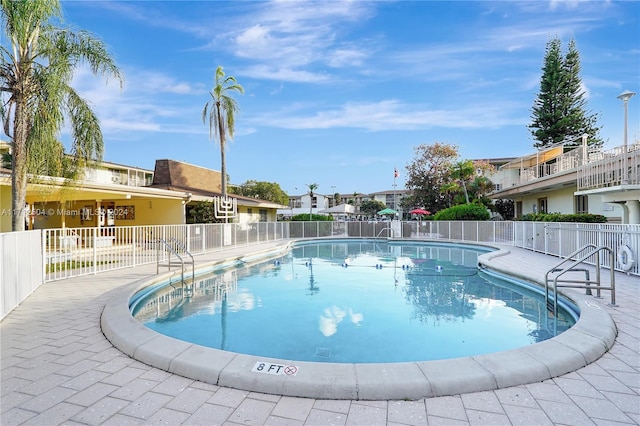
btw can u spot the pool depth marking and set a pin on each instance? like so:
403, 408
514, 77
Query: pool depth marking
275, 369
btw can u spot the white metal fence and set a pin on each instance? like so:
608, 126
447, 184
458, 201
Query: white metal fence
21, 269
33, 257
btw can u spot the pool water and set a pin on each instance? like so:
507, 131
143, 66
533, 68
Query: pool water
355, 302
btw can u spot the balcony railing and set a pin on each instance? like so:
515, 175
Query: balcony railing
608, 169
563, 163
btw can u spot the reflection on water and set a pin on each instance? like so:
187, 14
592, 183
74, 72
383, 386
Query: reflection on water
379, 303
333, 316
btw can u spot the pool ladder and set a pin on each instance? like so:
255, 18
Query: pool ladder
557, 275
385, 229
174, 250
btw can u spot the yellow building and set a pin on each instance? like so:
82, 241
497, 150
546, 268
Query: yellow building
118, 195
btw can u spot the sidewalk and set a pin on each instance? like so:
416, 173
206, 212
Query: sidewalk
58, 368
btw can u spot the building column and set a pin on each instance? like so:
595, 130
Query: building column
633, 209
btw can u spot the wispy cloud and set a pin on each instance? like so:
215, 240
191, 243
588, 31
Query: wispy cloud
394, 115
142, 104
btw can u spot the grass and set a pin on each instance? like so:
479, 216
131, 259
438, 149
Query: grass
73, 264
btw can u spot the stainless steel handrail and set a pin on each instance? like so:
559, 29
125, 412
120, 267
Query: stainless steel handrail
385, 229
193, 262
172, 250
560, 271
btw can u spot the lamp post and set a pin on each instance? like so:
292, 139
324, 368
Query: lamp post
624, 97
292, 201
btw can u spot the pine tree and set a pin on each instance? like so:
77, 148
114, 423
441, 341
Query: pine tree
580, 121
558, 113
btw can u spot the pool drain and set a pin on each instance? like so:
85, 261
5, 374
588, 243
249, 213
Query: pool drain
323, 352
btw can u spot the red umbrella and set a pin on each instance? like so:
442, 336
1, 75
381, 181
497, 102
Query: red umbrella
420, 211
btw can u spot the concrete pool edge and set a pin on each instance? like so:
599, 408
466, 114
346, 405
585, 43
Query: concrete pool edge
588, 340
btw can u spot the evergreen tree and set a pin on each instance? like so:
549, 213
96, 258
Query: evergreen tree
558, 113
581, 120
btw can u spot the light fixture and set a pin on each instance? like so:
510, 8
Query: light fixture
624, 97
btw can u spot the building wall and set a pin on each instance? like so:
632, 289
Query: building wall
559, 201
184, 175
612, 211
5, 208
84, 213
563, 201
255, 214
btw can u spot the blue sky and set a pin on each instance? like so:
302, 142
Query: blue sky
339, 93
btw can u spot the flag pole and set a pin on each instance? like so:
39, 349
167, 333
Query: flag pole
395, 175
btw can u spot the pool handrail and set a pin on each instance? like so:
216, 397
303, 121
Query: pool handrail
586, 283
174, 251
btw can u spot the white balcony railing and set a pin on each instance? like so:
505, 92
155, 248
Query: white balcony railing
598, 169
608, 169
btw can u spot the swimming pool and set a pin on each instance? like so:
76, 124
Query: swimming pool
355, 302
589, 339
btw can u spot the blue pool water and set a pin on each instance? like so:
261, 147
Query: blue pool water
355, 302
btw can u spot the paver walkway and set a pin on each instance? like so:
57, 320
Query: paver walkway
58, 368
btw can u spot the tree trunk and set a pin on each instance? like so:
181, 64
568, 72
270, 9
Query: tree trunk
19, 167
223, 164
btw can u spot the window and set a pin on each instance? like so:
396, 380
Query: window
263, 215
581, 204
518, 209
542, 205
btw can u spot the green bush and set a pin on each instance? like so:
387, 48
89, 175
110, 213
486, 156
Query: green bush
314, 217
463, 212
559, 217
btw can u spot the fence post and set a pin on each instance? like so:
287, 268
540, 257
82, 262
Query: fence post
95, 250
134, 251
188, 245
43, 237
203, 230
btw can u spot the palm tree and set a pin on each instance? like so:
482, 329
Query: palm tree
220, 111
312, 187
36, 68
463, 171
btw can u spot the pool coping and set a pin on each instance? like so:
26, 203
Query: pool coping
591, 337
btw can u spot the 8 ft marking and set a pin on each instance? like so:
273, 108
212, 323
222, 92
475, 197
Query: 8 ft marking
275, 369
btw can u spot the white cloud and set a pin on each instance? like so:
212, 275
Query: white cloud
266, 72
289, 34
142, 105
396, 115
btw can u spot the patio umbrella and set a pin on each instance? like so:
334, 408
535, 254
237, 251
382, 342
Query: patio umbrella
420, 211
387, 211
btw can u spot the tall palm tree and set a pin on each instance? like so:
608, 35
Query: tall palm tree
36, 69
220, 111
312, 187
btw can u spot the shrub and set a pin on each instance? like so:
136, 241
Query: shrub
314, 217
463, 212
559, 217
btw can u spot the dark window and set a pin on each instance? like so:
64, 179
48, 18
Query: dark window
582, 204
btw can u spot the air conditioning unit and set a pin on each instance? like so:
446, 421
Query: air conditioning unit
115, 179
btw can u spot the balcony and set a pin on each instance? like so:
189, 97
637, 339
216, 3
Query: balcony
545, 164
121, 176
607, 169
